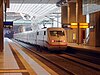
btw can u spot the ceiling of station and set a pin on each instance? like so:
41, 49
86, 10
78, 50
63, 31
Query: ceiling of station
34, 1
91, 1
12, 16
30, 9
37, 9
33, 10
90, 6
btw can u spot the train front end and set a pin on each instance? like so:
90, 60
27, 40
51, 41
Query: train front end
57, 39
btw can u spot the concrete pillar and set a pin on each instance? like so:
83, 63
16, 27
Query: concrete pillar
80, 18
1, 26
94, 32
68, 13
64, 14
73, 13
97, 29
72, 19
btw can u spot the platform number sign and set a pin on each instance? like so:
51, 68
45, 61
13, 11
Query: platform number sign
8, 25
8, 29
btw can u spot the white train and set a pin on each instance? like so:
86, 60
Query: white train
51, 38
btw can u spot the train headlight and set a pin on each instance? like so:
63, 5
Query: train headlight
52, 40
63, 41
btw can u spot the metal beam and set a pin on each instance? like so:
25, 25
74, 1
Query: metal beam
7, 2
1, 25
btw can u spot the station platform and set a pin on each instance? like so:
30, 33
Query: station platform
83, 47
14, 61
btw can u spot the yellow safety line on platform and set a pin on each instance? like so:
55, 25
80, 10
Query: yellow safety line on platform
12, 71
27, 66
39, 62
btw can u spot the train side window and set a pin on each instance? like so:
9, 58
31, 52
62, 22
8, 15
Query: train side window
37, 33
44, 32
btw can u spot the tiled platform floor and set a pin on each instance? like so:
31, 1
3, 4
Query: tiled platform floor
22, 64
85, 47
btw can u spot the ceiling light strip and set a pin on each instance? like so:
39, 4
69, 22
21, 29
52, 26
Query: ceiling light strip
49, 7
47, 10
27, 8
39, 9
20, 5
33, 6
23, 7
44, 8
37, 5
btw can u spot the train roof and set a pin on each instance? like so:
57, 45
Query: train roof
55, 28
51, 28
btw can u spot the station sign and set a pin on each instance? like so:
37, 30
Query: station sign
66, 26
8, 24
81, 25
74, 25
8, 29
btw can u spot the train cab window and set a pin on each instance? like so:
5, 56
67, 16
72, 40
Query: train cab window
37, 33
44, 32
57, 33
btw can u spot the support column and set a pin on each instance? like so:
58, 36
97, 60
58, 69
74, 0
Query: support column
80, 18
97, 29
94, 32
70, 14
72, 33
1, 26
64, 16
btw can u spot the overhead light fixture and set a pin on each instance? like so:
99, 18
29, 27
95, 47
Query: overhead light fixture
61, 3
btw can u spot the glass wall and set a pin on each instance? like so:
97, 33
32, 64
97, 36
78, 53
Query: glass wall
52, 19
90, 6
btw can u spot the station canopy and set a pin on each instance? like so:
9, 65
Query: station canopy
30, 9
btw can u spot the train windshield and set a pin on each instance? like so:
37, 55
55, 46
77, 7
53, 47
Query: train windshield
57, 33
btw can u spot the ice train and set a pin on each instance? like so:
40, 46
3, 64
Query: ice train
51, 38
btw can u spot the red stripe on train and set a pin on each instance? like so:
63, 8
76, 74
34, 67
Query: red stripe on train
57, 45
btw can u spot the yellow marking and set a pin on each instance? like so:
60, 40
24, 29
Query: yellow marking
84, 27
72, 24
12, 71
81, 25
84, 24
39, 62
27, 66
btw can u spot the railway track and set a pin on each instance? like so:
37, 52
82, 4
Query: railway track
68, 72
71, 65
82, 62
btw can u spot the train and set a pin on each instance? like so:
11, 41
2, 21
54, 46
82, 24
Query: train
53, 38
